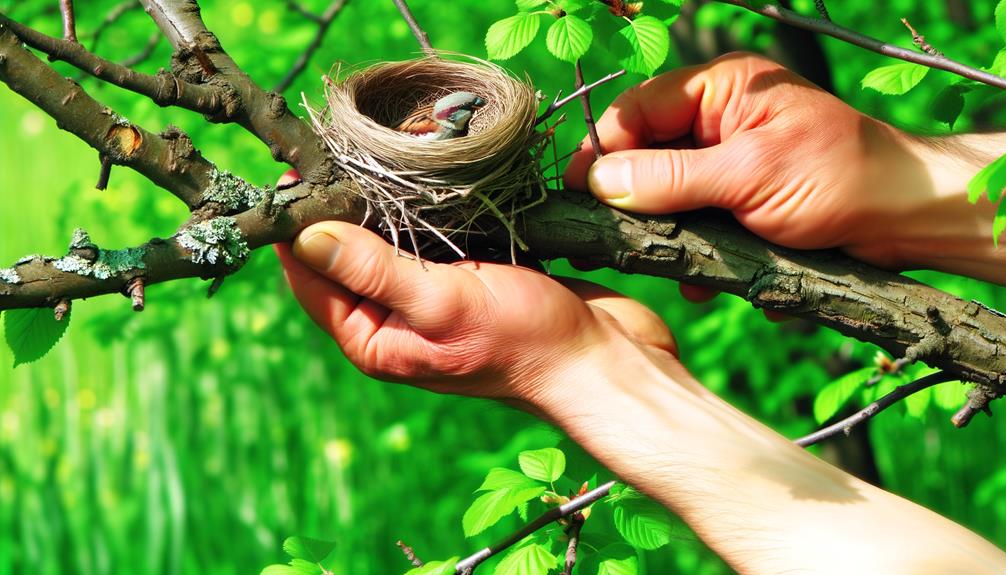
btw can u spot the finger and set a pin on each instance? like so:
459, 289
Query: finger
366, 265
658, 110
641, 323
289, 177
665, 181
697, 294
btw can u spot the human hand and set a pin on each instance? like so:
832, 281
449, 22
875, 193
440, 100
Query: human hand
794, 164
468, 328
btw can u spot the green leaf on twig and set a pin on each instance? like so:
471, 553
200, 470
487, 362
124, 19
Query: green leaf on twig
895, 79
543, 464
507, 37
569, 38
642, 45
32, 332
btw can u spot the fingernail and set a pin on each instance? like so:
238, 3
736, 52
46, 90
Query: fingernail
318, 251
610, 178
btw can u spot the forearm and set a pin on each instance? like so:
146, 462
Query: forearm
938, 228
760, 502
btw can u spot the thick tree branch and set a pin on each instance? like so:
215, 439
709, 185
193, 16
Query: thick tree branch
901, 392
164, 89
324, 22
199, 57
829, 28
168, 161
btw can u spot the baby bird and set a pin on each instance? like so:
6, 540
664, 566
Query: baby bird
448, 118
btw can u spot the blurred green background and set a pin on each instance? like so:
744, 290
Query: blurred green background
194, 437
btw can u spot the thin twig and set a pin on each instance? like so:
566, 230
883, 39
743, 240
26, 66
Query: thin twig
324, 22
978, 401
62, 308
144, 54
69, 24
111, 18
105, 173
920, 40
899, 393
298, 8
560, 102
822, 10
410, 554
574, 506
588, 115
573, 532
846, 35
421, 36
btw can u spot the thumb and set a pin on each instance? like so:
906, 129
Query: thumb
664, 181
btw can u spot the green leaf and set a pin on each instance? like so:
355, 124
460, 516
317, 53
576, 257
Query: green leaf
917, 403
618, 559
999, 223
489, 508
32, 332
950, 396
308, 549
296, 567
529, 4
569, 38
949, 103
991, 180
642, 45
643, 523
502, 478
833, 396
543, 464
1001, 18
895, 79
532, 559
436, 568
506, 38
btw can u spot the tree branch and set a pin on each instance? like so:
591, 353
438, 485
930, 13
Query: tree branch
588, 114
421, 36
829, 28
574, 506
168, 161
868, 412
560, 102
324, 22
69, 23
164, 89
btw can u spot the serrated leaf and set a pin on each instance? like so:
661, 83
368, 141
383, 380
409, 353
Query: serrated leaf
987, 180
617, 559
1001, 18
529, 4
532, 559
436, 568
643, 523
32, 332
502, 478
489, 508
542, 464
280, 570
308, 549
569, 38
507, 37
642, 45
895, 79
833, 396
948, 104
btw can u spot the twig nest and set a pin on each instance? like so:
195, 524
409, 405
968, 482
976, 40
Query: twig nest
431, 186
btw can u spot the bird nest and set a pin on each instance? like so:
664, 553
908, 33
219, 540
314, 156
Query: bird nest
427, 190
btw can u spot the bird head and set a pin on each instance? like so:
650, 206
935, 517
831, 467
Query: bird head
454, 110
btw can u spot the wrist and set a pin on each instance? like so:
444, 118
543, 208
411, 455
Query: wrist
935, 226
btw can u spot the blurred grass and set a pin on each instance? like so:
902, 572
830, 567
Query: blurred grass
194, 437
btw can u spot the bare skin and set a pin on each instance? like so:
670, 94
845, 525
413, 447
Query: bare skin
512, 334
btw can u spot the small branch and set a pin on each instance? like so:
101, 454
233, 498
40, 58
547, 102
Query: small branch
134, 290
164, 89
69, 25
410, 554
105, 173
920, 41
899, 393
978, 401
297, 8
421, 36
324, 22
588, 115
831, 29
574, 506
559, 103
888, 368
111, 18
573, 531
822, 10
